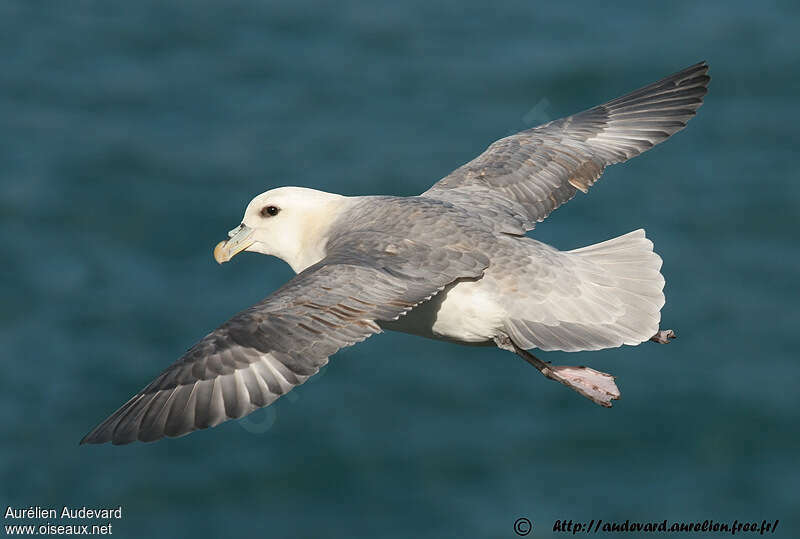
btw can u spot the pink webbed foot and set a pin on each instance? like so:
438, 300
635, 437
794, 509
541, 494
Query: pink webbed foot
599, 387
663, 336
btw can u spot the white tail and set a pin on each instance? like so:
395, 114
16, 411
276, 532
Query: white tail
600, 296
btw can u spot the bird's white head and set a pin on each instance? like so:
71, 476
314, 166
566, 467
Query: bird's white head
291, 223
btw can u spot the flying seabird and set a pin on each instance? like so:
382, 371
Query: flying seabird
453, 263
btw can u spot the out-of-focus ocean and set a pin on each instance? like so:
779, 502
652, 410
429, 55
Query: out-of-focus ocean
133, 134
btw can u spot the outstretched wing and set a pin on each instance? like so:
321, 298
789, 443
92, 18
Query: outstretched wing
266, 350
534, 171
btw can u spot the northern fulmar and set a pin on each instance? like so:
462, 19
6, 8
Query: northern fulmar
453, 263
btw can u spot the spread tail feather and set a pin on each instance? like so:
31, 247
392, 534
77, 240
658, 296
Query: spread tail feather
605, 295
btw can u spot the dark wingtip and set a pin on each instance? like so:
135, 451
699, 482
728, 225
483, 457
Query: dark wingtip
702, 69
91, 438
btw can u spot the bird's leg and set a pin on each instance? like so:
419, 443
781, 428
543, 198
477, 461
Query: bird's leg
663, 336
599, 387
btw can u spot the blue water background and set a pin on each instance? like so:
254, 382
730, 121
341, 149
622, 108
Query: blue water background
132, 135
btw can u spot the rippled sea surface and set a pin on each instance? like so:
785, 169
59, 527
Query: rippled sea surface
132, 135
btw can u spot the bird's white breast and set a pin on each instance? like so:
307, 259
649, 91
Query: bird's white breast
465, 312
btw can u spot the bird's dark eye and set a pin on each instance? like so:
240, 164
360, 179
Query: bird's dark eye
269, 211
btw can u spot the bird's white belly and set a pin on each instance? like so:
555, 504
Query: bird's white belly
464, 312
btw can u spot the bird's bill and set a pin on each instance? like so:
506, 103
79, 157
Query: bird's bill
240, 239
